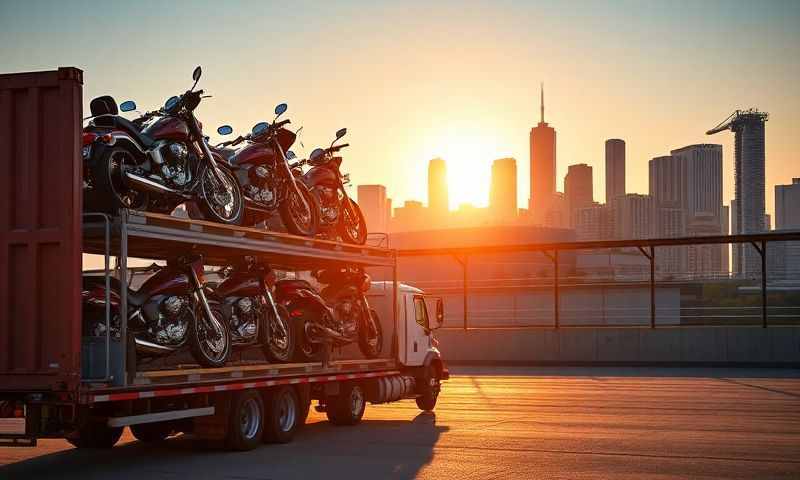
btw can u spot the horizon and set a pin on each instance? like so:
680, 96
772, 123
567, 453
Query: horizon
468, 92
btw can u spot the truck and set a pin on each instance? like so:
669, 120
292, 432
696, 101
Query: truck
55, 382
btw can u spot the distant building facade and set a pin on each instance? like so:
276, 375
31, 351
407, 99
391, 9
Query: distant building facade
632, 216
786, 255
503, 191
578, 189
594, 222
375, 207
615, 169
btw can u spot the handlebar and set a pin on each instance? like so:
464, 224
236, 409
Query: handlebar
338, 147
281, 123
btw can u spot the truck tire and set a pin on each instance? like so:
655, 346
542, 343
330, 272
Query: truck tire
95, 435
282, 413
347, 408
152, 432
245, 421
429, 389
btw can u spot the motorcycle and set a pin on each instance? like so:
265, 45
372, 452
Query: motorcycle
253, 316
157, 161
339, 215
265, 177
169, 310
338, 315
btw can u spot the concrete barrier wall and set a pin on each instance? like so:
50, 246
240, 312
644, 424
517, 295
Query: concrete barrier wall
684, 345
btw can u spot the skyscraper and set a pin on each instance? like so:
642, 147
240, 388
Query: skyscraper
543, 167
578, 189
632, 216
615, 169
787, 217
373, 203
667, 189
438, 202
503, 190
749, 193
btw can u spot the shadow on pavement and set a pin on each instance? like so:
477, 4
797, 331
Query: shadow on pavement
372, 449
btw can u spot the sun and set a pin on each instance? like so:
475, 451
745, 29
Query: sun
469, 156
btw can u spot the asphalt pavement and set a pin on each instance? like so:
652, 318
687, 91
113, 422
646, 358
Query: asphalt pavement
571, 423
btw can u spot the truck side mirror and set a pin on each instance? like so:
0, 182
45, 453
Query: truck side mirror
439, 313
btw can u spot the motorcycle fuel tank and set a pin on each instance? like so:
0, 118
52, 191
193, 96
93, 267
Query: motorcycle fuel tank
240, 285
254, 154
321, 175
167, 281
169, 128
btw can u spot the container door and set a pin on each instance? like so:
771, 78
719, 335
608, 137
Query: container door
40, 230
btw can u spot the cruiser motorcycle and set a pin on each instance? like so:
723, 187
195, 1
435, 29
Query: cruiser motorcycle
157, 161
168, 311
252, 314
339, 215
265, 177
339, 315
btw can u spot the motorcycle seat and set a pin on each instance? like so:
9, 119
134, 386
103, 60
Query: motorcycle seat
122, 123
135, 298
284, 285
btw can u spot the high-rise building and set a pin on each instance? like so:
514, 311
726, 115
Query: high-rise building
632, 216
594, 222
578, 189
667, 189
373, 203
749, 193
410, 217
726, 249
437, 188
503, 190
787, 218
543, 167
615, 169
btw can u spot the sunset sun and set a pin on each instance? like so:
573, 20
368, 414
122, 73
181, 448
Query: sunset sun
469, 156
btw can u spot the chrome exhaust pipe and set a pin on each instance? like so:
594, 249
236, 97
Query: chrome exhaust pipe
152, 348
149, 185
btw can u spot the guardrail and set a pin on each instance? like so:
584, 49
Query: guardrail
647, 247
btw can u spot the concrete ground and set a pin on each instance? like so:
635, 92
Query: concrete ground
501, 423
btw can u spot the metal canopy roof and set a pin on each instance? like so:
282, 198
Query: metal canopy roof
158, 236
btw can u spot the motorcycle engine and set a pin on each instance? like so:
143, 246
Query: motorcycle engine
172, 161
244, 318
329, 202
259, 186
172, 320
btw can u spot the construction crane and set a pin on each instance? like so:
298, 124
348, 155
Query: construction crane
737, 116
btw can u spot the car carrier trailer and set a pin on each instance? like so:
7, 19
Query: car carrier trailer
54, 383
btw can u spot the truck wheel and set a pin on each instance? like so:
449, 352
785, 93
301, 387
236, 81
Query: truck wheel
246, 421
95, 435
429, 389
348, 407
283, 411
152, 432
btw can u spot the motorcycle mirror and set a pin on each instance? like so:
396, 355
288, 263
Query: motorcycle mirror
290, 155
280, 109
197, 73
260, 128
128, 106
171, 103
225, 130
439, 312
341, 133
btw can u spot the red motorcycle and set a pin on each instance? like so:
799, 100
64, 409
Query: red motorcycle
339, 215
157, 161
167, 312
253, 316
265, 177
339, 315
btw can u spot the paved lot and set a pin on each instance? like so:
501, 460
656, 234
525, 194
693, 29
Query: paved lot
502, 423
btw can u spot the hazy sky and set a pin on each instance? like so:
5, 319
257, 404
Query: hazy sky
414, 80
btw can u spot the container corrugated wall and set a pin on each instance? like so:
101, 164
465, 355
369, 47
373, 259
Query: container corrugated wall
40, 229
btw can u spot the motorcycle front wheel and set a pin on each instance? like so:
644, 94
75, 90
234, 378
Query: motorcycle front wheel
353, 227
221, 197
370, 335
280, 345
300, 218
210, 339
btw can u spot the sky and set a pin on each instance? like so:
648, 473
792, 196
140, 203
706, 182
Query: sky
458, 80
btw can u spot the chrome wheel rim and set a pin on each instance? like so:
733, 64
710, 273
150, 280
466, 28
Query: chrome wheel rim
301, 210
279, 341
212, 337
356, 401
250, 418
287, 411
221, 194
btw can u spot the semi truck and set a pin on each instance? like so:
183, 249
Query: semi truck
55, 382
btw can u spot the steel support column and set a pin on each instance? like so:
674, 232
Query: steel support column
650, 253
761, 248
